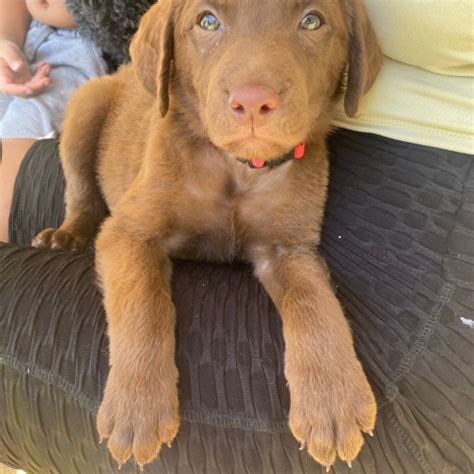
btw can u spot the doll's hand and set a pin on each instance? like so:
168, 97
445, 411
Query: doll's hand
16, 78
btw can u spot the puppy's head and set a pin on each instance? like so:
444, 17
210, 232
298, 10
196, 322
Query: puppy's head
259, 76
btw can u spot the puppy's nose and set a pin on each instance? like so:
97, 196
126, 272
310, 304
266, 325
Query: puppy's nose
253, 104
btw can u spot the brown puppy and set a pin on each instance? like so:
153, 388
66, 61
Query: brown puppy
161, 144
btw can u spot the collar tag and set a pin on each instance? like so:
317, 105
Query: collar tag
258, 164
299, 151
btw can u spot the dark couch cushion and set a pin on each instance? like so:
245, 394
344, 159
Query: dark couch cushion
394, 239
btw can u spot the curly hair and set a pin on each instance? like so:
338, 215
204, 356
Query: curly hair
109, 24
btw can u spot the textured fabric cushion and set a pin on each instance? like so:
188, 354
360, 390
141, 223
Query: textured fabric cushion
398, 239
38, 197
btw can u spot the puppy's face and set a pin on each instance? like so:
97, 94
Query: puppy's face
263, 72
259, 76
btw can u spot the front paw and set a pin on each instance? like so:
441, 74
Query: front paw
329, 412
138, 418
57, 239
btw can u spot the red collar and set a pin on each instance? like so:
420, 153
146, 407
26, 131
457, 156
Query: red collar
296, 154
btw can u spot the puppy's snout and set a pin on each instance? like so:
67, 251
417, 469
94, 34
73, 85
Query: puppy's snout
253, 104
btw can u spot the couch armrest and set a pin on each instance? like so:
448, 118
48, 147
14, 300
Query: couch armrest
38, 197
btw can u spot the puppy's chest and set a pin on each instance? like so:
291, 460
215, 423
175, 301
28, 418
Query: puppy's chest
224, 211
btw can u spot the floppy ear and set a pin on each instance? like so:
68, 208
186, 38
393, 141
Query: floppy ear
152, 49
365, 58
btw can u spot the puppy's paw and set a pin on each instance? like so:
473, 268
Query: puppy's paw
329, 419
58, 239
138, 420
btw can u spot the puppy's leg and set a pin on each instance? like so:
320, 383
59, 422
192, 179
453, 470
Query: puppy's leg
332, 403
85, 206
139, 411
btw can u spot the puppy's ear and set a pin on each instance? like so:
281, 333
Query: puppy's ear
365, 58
152, 50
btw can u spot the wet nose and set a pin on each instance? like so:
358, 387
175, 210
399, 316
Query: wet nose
253, 104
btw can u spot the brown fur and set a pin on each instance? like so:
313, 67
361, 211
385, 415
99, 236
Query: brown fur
157, 143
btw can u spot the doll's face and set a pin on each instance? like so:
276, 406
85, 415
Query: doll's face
51, 12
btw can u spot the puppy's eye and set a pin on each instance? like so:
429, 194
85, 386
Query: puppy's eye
209, 22
311, 22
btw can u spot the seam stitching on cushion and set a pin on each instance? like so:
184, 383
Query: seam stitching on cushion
213, 419
424, 336
53, 379
229, 421
408, 440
